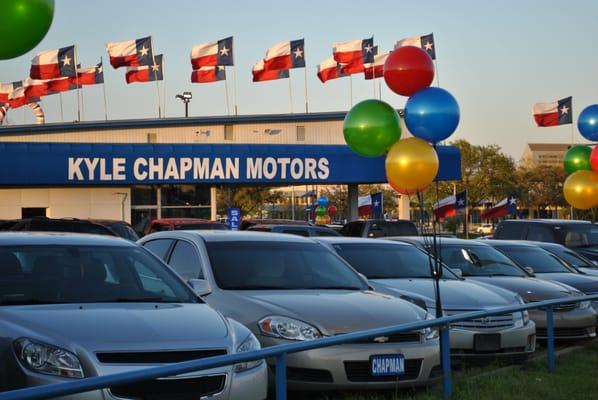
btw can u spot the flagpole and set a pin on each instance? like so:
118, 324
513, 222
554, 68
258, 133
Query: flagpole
235, 88
104, 90
350, 91
77, 83
305, 82
156, 77
225, 91
290, 93
163, 85
436, 73
380, 89
572, 130
61, 110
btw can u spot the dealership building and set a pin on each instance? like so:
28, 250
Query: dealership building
169, 167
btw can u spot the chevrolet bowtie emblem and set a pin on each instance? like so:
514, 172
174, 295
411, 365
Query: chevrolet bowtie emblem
381, 339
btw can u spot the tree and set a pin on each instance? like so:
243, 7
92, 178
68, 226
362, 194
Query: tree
541, 186
250, 199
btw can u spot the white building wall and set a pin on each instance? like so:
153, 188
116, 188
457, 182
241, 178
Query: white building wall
83, 203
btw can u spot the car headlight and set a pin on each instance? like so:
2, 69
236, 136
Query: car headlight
520, 318
47, 359
249, 344
288, 328
431, 332
584, 304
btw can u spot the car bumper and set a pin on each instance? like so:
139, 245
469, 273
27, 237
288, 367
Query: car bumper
574, 324
346, 367
514, 341
251, 384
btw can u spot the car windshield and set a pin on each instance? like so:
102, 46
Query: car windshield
388, 261
573, 258
256, 265
538, 259
579, 235
479, 261
86, 274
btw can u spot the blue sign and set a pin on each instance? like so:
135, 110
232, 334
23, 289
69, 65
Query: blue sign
234, 218
122, 164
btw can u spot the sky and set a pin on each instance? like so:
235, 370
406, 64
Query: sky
496, 57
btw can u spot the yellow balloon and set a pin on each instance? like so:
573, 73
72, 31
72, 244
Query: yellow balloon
411, 165
581, 189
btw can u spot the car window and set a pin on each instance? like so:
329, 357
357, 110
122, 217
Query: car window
295, 231
86, 274
574, 259
125, 231
538, 259
539, 233
388, 261
479, 261
184, 259
398, 228
352, 229
578, 235
159, 247
279, 266
510, 230
325, 232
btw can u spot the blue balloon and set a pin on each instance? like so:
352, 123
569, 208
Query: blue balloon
432, 114
587, 123
323, 201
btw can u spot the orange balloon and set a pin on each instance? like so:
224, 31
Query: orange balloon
411, 165
581, 189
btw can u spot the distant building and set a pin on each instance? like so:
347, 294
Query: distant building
544, 154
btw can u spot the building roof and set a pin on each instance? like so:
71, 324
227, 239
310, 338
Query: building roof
548, 146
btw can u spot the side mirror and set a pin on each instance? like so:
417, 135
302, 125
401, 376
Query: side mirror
457, 271
529, 270
201, 287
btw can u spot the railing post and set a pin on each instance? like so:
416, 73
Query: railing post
445, 362
550, 337
281, 376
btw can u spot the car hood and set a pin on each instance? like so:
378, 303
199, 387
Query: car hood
531, 289
122, 326
583, 283
589, 271
455, 295
332, 311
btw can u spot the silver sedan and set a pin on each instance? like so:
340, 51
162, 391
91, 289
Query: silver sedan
75, 306
286, 288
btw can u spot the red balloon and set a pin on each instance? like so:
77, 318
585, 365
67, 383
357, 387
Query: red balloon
332, 211
408, 69
594, 159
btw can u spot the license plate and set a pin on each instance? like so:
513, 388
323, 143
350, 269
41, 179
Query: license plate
387, 365
486, 342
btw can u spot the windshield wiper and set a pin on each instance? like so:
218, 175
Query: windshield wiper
336, 287
26, 302
155, 299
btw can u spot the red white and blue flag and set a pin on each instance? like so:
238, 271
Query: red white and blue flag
554, 113
53, 63
37, 87
6, 89
425, 42
370, 205
285, 55
507, 206
330, 69
130, 53
260, 74
90, 76
353, 54
19, 98
208, 74
451, 206
146, 73
376, 69
213, 53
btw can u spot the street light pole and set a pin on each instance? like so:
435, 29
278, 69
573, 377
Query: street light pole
186, 98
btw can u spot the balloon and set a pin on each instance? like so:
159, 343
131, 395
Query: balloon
408, 69
411, 165
323, 201
594, 159
577, 158
587, 123
24, 25
320, 211
371, 127
581, 189
432, 114
332, 210
325, 219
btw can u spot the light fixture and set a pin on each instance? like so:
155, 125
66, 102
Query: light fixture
186, 98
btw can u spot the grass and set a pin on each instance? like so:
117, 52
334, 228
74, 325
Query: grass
573, 379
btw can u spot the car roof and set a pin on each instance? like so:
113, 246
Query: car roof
9, 238
230, 236
284, 226
185, 221
401, 221
509, 243
354, 240
547, 245
108, 221
440, 239
549, 221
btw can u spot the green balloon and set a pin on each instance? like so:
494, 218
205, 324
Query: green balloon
24, 25
371, 127
577, 158
321, 211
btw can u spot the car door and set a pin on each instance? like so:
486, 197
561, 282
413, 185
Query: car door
160, 247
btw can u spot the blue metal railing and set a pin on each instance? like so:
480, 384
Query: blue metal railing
280, 352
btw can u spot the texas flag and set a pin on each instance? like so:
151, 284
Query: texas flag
146, 73
213, 53
285, 55
555, 113
450, 206
364, 206
260, 74
18, 98
376, 69
425, 42
90, 75
53, 63
60, 85
7, 88
330, 69
208, 74
37, 87
507, 206
130, 53
377, 205
353, 54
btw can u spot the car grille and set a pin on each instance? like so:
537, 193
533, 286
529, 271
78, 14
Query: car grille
565, 332
562, 307
504, 350
493, 322
359, 371
406, 337
309, 375
156, 357
171, 389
